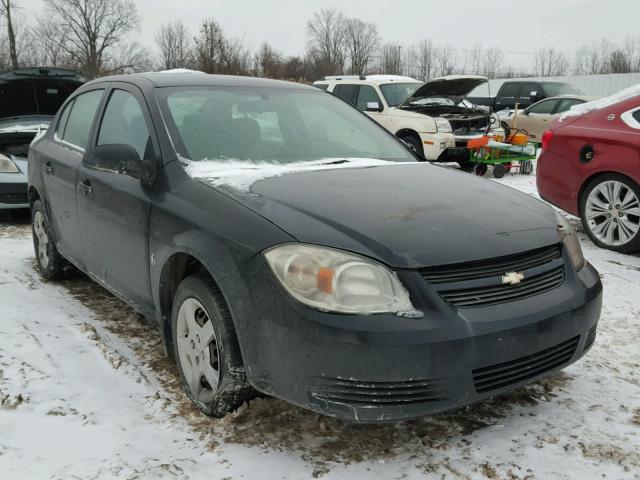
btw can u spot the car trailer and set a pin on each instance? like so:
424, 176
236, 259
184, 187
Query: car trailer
515, 152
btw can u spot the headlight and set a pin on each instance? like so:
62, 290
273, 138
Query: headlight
570, 240
7, 165
336, 281
443, 125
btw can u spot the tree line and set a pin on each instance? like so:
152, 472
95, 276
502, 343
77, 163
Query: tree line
98, 37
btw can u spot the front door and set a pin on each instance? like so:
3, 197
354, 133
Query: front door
536, 118
114, 208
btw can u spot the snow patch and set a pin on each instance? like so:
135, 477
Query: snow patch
242, 174
584, 108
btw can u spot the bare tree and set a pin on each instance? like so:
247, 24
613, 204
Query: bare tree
426, 60
445, 60
6, 12
174, 42
549, 62
391, 58
326, 40
269, 63
361, 40
210, 47
492, 60
475, 59
96, 34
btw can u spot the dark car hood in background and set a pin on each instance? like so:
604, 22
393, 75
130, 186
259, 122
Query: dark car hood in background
406, 215
36, 91
452, 86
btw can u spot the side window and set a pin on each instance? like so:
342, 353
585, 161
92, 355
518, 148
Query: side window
566, 104
367, 94
322, 86
511, 89
636, 115
81, 117
544, 107
346, 92
528, 89
123, 123
62, 122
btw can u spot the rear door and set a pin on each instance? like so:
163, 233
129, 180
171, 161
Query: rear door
60, 168
115, 208
346, 91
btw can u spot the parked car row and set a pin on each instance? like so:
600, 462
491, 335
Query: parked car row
350, 278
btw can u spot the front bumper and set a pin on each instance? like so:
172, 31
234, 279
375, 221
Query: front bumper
386, 368
13, 188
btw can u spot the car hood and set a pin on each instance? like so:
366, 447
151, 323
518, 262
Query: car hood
451, 86
406, 215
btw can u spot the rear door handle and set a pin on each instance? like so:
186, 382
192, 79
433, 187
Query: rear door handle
85, 186
47, 166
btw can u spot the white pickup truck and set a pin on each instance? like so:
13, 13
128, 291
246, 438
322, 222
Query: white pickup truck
432, 117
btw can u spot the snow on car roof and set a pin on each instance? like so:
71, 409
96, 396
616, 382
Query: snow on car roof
584, 108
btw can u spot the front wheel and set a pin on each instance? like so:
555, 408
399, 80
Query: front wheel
206, 348
415, 143
610, 212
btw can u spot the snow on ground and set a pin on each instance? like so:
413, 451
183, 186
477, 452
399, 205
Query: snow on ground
86, 392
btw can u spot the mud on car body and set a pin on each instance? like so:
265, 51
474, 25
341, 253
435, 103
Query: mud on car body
286, 243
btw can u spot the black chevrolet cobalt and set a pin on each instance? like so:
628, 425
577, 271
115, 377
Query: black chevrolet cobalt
285, 243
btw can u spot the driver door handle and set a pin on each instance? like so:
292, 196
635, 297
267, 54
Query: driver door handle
85, 186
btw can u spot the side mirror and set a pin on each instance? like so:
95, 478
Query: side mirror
373, 107
120, 158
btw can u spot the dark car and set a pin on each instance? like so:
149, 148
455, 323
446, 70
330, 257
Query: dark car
284, 242
524, 93
29, 98
590, 167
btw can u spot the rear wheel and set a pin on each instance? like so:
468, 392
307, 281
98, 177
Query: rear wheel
610, 212
51, 264
414, 142
499, 170
480, 169
206, 348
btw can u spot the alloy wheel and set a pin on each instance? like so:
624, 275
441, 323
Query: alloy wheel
612, 211
42, 237
198, 350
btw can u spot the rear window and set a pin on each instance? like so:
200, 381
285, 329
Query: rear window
34, 96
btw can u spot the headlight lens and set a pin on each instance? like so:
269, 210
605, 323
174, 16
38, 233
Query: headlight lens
570, 240
443, 125
336, 281
7, 165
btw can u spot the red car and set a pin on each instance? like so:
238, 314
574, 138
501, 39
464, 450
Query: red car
590, 167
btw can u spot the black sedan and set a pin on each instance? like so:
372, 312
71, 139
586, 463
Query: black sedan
284, 242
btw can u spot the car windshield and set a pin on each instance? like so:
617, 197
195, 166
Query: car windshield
396, 93
427, 101
554, 89
271, 124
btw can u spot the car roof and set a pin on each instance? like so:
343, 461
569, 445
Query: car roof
367, 79
193, 78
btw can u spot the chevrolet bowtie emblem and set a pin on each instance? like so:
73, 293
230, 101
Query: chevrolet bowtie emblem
512, 278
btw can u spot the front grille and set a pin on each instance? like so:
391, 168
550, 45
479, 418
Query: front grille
14, 198
356, 392
493, 295
522, 369
488, 268
13, 193
591, 337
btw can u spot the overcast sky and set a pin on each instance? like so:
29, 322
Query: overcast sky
518, 27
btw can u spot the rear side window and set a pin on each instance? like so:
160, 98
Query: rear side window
62, 123
81, 117
123, 123
346, 92
367, 94
511, 89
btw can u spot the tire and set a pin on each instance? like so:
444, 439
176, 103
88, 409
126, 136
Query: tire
206, 348
610, 212
499, 170
480, 169
414, 142
51, 264
466, 166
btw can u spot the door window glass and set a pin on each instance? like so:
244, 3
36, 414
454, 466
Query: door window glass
346, 92
81, 117
367, 94
567, 103
123, 123
62, 123
544, 107
510, 89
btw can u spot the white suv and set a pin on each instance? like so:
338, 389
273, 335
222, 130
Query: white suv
420, 114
